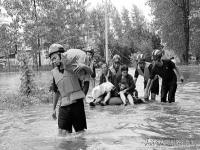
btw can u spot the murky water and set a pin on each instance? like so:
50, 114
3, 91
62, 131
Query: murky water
147, 126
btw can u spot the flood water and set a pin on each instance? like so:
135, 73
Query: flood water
146, 126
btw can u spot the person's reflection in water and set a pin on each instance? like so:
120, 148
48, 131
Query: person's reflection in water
169, 109
76, 143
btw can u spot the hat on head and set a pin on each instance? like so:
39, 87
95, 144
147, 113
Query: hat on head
157, 54
54, 48
140, 58
116, 58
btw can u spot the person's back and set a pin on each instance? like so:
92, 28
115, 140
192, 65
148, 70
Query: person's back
165, 71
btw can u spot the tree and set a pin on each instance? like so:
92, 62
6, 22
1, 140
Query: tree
96, 28
131, 33
117, 24
138, 23
156, 41
68, 23
5, 42
27, 86
22, 14
195, 29
172, 22
126, 28
50, 21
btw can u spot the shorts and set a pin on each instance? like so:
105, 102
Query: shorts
155, 87
72, 115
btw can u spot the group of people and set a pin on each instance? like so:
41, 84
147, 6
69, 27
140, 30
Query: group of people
123, 83
71, 83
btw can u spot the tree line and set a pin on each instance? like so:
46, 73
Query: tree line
38, 24
177, 22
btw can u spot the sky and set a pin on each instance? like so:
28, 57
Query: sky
119, 4
4, 18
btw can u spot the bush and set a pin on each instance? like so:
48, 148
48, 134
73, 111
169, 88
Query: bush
19, 101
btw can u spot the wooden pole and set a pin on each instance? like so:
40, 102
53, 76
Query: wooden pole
106, 31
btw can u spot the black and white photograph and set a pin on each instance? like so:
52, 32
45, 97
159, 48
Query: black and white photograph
99, 74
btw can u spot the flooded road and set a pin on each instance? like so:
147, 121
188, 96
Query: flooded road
147, 126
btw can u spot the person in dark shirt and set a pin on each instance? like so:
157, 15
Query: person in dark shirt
168, 71
144, 69
126, 85
86, 82
106, 74
115, 70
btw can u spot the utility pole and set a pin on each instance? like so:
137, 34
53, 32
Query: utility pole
38, 37
106, 31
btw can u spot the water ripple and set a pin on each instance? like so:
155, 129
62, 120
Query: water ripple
149, 126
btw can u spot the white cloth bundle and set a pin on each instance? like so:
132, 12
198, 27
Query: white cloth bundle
99, 90
74, 58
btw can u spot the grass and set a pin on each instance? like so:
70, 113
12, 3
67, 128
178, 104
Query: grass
18, 101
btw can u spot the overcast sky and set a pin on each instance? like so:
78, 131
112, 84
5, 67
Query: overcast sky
119, 4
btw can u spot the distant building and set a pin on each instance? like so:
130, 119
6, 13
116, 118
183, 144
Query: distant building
7, 60
11, 61
43, 54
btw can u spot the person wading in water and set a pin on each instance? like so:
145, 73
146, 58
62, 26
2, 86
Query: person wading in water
144, 69
66, 85
168, 71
